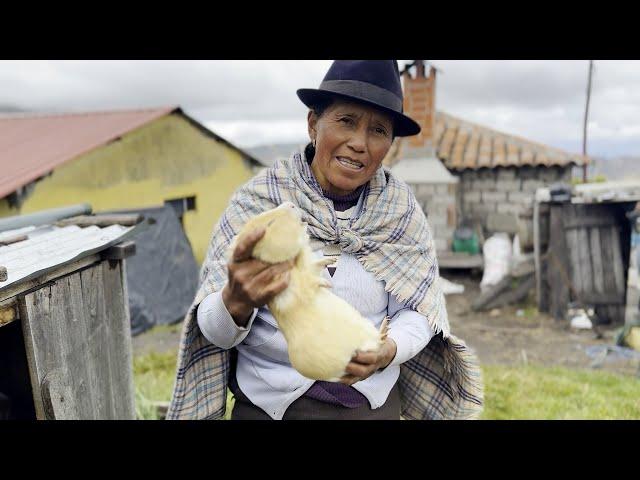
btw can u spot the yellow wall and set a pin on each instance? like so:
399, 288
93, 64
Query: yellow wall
168, 158
5, 210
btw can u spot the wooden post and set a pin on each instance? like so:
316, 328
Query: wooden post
536, 251
586, 116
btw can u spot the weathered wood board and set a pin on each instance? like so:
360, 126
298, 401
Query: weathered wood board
587, 259
78, 345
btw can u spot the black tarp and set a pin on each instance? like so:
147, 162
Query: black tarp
162, 276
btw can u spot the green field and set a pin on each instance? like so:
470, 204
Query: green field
522, 392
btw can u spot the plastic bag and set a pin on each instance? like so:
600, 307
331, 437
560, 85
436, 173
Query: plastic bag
497, 253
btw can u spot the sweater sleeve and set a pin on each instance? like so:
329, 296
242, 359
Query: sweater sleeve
409, 329
217, 325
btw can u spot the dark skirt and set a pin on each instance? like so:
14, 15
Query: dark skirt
305, 408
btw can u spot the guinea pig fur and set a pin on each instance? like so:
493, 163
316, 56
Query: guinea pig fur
323, 332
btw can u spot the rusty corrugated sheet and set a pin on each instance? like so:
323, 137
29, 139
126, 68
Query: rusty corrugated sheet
465, 145
32, 145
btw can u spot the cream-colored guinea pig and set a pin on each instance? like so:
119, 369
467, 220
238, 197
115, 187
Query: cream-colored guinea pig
322, 331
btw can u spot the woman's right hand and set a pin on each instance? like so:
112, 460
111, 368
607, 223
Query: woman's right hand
252, 283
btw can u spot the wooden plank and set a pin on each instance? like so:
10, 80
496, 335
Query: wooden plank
79, 363
98, 339
120, 350
617, 261
557, 265
574, 258
607, 298
13, 239
607, 260
590, 221
459, 260
37, 282
120, 251
61, 316
508, 291
584, 256
78, 336
126, 220
33, 307
596, 258
536, 252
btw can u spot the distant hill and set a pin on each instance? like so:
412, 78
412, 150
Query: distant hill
616, 168
8, 108
271, 152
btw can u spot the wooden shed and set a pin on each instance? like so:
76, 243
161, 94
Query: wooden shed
583, 248
65, 343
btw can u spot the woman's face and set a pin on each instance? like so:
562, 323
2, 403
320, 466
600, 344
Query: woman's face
351, 141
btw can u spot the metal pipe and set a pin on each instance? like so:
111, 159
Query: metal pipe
43, 217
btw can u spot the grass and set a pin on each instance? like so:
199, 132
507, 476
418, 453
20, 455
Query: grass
153, 376
522, 392
549, 393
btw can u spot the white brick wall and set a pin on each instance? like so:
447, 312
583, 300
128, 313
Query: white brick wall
509, 185
520, 197
532, 185
514, 208
471, 196
493, 197
506, 174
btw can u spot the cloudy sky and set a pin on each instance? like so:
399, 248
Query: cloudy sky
254, 102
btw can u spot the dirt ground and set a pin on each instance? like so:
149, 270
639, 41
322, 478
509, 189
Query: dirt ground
519, 334
512, 335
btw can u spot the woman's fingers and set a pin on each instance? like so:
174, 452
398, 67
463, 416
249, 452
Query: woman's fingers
365, 358
243, 250
359, 370
272, 280
275, 288
349, 379
271, 272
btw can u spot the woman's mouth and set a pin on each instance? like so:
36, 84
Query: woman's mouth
349, 163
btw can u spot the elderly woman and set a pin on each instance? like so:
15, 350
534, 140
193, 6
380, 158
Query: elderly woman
368, 221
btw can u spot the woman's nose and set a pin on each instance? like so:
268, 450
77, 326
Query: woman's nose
358, 141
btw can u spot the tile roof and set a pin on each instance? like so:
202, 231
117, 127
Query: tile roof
464, 145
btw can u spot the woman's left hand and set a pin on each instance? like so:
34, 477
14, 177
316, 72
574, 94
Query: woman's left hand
365, 364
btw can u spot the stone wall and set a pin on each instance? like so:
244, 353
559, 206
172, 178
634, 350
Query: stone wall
439, 202
501, 199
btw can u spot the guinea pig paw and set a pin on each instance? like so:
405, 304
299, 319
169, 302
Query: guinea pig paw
323, 282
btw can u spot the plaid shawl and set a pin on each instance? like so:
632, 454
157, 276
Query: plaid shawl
392, 240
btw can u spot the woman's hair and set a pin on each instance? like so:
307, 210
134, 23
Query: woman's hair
319, 108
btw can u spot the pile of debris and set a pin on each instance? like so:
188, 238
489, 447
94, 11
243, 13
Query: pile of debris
513, 287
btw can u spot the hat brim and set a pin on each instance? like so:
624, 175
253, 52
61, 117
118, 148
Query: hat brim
403, 126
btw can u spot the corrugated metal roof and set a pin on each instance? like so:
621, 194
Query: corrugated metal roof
49, 246
464, 145
423, 170
32, 145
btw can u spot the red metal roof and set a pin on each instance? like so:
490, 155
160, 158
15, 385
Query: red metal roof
32, 145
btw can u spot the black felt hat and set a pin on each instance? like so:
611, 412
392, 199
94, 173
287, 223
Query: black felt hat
374, 82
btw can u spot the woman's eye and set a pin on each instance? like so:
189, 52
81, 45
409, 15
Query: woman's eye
346, 120
381, 131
